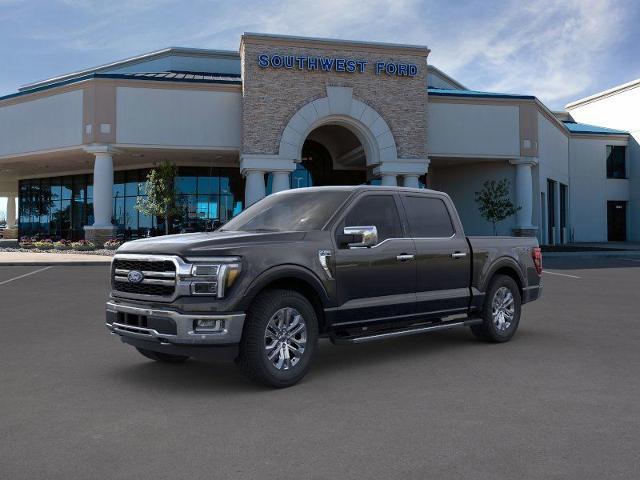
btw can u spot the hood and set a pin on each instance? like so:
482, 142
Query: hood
205, 243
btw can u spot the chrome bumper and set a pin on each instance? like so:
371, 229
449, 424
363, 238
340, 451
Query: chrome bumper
186, 334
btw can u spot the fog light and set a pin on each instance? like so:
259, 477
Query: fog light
204, 288
207, 325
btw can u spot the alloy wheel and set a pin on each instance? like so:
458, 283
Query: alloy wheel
285, 338
503, 309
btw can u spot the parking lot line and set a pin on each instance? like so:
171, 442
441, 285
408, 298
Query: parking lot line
561, 274
25, 275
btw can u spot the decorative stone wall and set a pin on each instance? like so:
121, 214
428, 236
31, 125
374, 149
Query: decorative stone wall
272, 95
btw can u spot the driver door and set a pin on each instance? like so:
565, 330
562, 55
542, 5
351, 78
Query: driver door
376, 283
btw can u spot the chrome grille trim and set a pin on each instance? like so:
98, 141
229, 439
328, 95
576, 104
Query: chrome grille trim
158, 279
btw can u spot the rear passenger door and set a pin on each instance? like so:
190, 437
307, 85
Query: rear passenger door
378, 282
442, 256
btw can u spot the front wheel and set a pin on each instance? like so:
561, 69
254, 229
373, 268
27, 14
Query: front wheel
501, 311
279, 338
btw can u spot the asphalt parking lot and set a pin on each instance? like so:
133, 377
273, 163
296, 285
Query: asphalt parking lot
559, 401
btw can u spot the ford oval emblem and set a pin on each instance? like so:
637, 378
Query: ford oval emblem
135, 276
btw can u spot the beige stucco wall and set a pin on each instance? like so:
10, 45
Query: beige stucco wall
178, 117
467, 129
54, 121
271, 96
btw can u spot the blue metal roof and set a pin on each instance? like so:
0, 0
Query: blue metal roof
575, 127
475, 93
188, 77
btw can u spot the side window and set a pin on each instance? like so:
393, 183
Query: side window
428, 217
378, 210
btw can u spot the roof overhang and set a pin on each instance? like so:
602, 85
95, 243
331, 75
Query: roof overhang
145, 57
419, 50
605, 93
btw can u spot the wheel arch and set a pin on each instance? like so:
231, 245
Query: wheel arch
505, 266
292, 277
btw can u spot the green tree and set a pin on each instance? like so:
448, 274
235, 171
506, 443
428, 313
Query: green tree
494, 202
161, 196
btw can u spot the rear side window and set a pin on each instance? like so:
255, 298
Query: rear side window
378, 210
428, 217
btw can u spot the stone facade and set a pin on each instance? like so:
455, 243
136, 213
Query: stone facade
271, 96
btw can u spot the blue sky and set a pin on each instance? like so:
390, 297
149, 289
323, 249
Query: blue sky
557, 50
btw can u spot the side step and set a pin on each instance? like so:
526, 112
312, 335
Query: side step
413, 330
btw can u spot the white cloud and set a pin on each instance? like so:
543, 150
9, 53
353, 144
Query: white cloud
546, 48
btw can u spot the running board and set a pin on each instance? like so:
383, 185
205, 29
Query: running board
374, 337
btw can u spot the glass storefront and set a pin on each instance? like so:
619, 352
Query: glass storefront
56, 207
60, 207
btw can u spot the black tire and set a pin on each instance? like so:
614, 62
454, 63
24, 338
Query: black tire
253, 359
488, 330
162, 357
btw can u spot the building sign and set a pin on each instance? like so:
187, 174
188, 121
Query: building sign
335, 64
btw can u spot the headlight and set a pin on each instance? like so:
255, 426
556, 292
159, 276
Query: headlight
213, 275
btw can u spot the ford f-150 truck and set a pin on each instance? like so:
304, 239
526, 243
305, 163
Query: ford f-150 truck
353, 264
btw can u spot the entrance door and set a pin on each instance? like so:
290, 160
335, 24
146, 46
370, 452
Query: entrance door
617, 221
379, 282
551, 211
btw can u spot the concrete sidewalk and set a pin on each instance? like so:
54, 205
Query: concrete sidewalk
33, 258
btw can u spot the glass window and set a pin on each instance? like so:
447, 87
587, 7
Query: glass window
616, 164
428, 217
289, 211
131, 184
118, 184
67, 188
379, 211
186, 184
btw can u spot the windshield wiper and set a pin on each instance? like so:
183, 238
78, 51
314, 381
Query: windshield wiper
262, 230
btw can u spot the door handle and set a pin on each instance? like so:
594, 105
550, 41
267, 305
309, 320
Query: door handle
458, 254
404, 257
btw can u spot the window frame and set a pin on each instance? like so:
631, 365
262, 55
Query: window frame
352, 203
625, 164
450, 215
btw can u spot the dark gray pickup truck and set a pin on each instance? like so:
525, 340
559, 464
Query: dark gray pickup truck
354, 264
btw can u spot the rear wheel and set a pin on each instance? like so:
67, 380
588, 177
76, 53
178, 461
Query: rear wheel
279, 338
501, 311
162, 357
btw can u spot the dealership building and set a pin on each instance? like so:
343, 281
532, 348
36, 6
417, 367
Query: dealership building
287, 112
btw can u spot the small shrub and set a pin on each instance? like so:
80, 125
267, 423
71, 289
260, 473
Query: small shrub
112, 244
62, 245
43, 244
83, 245
26, 242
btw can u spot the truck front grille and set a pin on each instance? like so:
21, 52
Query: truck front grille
158, 277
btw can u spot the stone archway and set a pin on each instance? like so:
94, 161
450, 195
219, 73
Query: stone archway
340, 108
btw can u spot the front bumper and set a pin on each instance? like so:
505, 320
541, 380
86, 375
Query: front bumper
170, 327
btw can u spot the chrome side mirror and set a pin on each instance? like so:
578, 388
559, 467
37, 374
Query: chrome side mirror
362, 236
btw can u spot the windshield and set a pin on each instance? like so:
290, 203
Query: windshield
299, 211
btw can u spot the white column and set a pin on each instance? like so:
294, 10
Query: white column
11, 212
389, 180
411, 181
103, 189
254, 189
280, 181
524, 192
